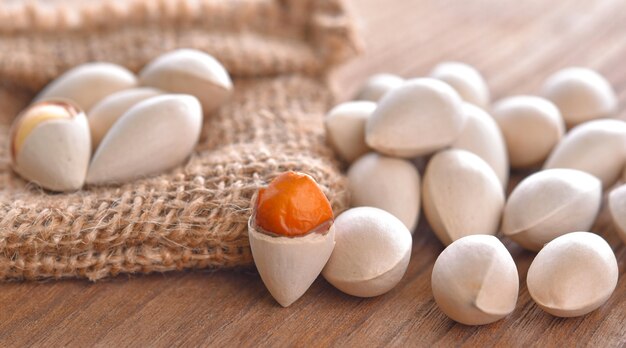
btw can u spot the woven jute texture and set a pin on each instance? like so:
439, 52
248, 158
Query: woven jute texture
194, 216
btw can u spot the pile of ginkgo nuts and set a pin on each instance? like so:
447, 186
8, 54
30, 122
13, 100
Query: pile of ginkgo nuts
470, 145
135, 126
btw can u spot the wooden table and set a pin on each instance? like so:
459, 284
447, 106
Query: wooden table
516, 44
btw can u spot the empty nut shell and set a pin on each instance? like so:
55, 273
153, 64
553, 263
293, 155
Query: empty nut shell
573, 275
475, 281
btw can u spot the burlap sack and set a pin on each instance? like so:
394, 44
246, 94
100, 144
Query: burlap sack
278, 52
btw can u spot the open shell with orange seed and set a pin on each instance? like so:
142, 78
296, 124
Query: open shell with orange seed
291, 235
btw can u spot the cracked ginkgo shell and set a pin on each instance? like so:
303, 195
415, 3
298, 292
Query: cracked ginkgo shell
289, 265
345, 128
466, 80
573, 275
417, 118
391, 184
532, 126
461, 195
104, 114
617, 207
378, 85
581, 95
597, 147
371, 254
54, 146
87, 84
482, 136
551, 203
153, 136
475, 281
189, 71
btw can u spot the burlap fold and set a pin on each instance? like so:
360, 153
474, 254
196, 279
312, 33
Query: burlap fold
195, 216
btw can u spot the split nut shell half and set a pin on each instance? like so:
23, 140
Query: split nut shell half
50, 145
388, 183
573, 275
189, 71
462, 196
597, 147
372, 252
154, 135
421, 116
87, 84
475, 281
551, 203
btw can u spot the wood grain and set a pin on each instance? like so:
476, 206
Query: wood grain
516, 44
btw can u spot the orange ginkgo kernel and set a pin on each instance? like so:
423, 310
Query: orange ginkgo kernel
292, 205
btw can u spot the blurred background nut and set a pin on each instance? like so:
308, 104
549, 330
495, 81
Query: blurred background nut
532, 126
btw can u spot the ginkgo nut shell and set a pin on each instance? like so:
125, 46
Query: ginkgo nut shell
532, 127
417, 118
378, 85
617, 208
87, 84
50, 145
573, 275
597, 147
551, 203
581, 95
475, 280
36, 115
371, 254
391, 184
345, 128
461, 195
466, 80
482, 137
289, 261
